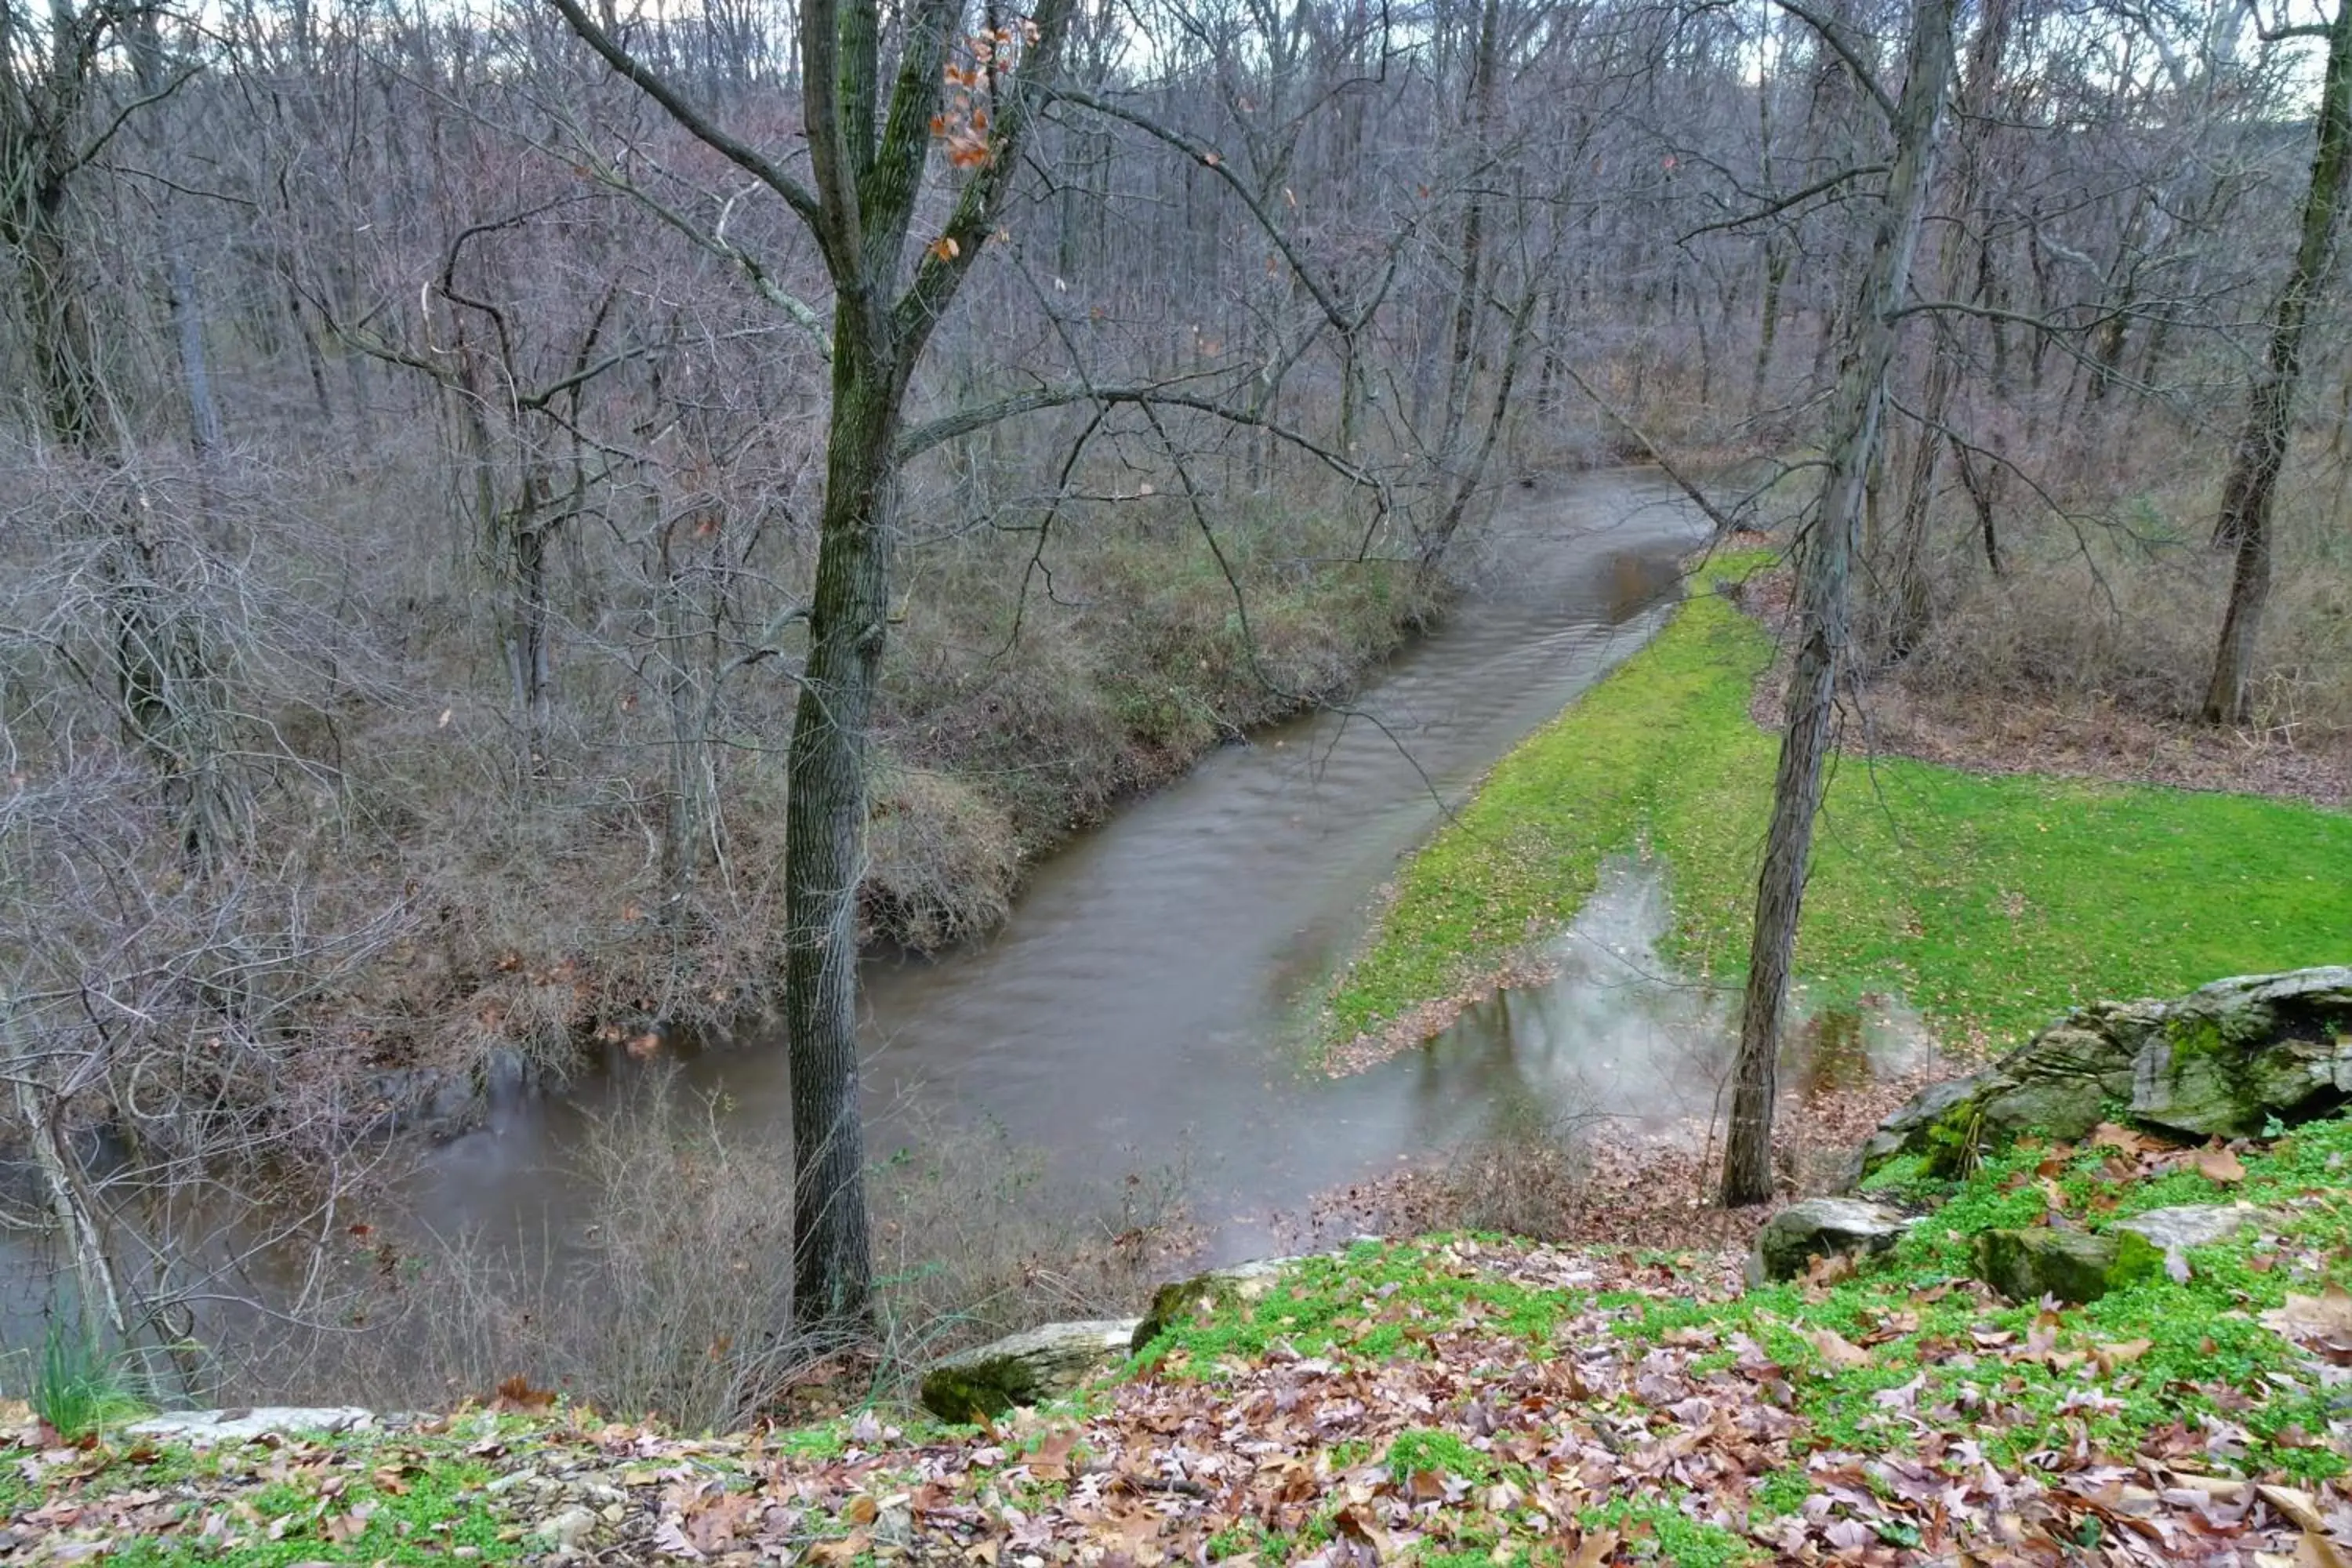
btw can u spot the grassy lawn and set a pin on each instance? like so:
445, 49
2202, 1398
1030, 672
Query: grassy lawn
1992, 903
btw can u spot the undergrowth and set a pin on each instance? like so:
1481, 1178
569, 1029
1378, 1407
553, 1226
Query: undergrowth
78, 1386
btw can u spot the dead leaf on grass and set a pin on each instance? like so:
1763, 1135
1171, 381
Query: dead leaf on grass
2310, 1317
517, 1395
1839, 1353
2109, 1357
2126, 1140
2217, 1164
2299, 1506
1594, 1550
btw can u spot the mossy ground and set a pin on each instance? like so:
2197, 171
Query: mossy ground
1991, 903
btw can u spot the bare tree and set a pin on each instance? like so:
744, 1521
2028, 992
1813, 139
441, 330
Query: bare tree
2249, 490
1821, 622
867, 157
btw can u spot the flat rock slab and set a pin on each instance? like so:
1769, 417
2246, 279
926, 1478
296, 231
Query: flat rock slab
1024, 1368
2190, 1225
214, 1427
1821, 1228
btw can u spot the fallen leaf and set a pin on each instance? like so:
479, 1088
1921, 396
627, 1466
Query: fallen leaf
1841, 1353
2110, 1135
1829, 1268
2109, 1357
1594, 1550
2216, 1163
2211, 1486
517, 1395
1051, 1462
1358, 1524
2299, 1506
2304, 1317
2317, 1550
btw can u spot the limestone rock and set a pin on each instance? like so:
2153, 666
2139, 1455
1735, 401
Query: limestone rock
2189, 1225
2223, 1060
567, 1530
206, 1427
2238, 1052
1205, 1295
2072, 1265
1024, 1368
1819, 1227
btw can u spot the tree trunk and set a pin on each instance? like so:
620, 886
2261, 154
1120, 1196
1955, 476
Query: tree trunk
65, 349
180, 298
1981, 488
2250, 491
1823, 610
824, 837
1470, 293
1776, 274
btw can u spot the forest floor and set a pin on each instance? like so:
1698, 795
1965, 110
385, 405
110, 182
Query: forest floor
1987, 898
1453, 1401
2085, 739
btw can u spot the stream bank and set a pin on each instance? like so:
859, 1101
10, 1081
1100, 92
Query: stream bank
1881, 1391
1145, 1011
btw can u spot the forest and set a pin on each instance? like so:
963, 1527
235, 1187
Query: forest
529, 531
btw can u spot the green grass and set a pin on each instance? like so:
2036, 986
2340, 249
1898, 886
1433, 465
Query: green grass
1992, 904
426, 1506
2198, 1342
78, 1387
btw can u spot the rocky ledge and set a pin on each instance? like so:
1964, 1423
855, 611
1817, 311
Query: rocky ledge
2227, 1060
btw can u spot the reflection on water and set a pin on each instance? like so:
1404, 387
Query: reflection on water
1615, 1034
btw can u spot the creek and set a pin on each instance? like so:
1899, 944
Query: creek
1146, 1006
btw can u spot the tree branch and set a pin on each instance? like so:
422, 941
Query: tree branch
740, 153
922, 437
1784, 203
1830, 33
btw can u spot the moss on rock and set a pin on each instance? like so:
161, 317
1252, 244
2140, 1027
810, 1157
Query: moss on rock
1022, 1369
1206, 1295
2072, 1265
2222, 1060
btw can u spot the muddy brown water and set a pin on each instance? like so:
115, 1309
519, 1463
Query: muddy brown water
1146, 1003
